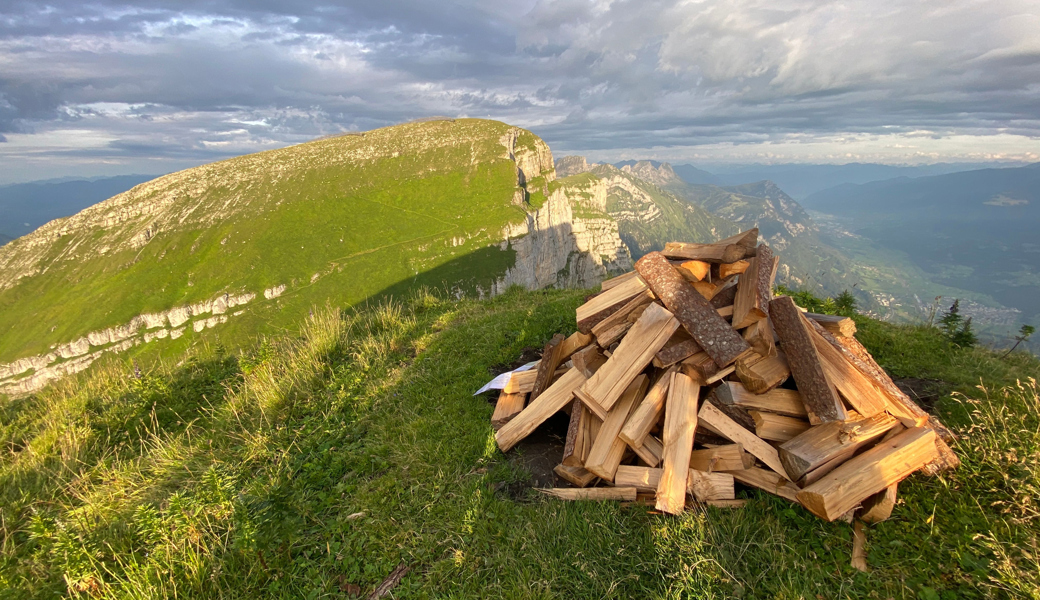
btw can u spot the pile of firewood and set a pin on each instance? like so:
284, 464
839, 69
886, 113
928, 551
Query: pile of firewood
687, 376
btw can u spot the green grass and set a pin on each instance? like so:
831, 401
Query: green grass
318, 461
280, 217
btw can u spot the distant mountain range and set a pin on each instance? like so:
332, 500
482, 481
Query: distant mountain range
974, 230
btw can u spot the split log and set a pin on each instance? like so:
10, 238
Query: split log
620, 316
717, 422
551, 356
523, 382
549, 403
588, 360
680, 422
761, 337
876, 469
707, 289
850, 382
608, 338
576, 476
604, 304
946, 460
637, 349
710, 486
694, 270
878, 507
727, 270
576, 341
650, 452
759, 375
729, 250
767, 481
820, 396
507, 407
644, 479
648, 413
755, 289
859, 548
608, 449
699, 318
615, 281
899, 404
624, 494
835, 324
730, 457
778, 400
830, 441
777, 428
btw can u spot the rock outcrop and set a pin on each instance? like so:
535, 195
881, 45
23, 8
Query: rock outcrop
572, 165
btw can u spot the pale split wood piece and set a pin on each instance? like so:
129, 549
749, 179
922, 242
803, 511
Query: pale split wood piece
551, 356
614, 281
637, 349
859, 548
889, 462
878, 507
624, 494
604, 304
648, 413
768, 481
507, 407
779, 400
549, 403
727, 270
650, 451
576, 341
761, 375
696, 314
851, 383
717, 422
777, 428
754, 289
729, 250
680, 422
835, 324
730, 457
577, 476
710, 486
608, 449
837, 440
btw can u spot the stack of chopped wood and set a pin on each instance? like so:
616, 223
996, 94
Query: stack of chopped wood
687, 376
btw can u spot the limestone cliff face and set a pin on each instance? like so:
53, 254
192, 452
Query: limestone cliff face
569, 241
572, 165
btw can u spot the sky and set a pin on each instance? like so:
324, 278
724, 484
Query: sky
102, 88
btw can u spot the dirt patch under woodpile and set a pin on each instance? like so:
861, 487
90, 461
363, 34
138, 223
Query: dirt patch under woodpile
925, 392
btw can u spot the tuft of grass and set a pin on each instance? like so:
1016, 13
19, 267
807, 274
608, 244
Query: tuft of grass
317, 461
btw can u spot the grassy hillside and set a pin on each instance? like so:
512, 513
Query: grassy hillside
312, 464
344, 218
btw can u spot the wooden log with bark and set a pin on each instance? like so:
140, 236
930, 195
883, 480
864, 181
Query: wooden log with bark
703, 322
820, 396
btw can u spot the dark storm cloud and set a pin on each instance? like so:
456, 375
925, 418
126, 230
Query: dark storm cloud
206, 77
